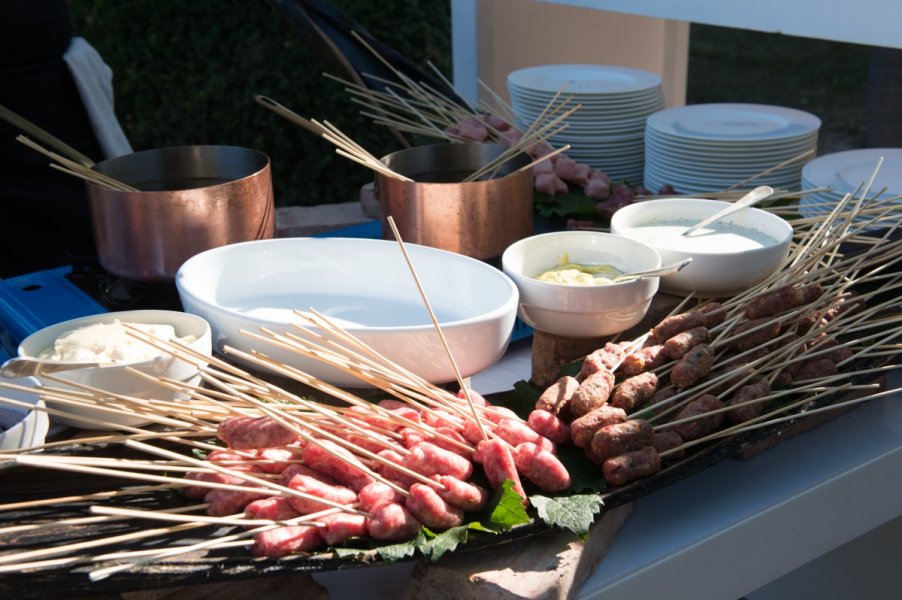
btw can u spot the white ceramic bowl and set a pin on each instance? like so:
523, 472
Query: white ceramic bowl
578, 311
116, 378
366, 287
722, 265
23, 415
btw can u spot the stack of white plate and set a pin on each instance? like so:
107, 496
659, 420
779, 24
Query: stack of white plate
607, 131
849, 172
710, 147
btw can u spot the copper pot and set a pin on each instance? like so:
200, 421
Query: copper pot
478, 219
192, 198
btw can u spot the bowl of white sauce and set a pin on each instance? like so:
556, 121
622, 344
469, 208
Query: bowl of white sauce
728, 257
121, 357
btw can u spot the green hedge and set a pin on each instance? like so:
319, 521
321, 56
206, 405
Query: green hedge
187, 73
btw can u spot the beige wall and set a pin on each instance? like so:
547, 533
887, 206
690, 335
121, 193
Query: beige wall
513, 34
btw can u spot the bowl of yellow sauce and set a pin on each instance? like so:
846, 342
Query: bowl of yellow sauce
565, 282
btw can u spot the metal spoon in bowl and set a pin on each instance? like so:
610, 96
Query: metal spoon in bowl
658, 272
23, 366
753, 197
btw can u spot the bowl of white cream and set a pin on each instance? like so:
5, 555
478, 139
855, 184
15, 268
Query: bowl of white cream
128, 347
728, 257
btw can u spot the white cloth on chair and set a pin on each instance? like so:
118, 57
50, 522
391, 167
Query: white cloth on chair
94, 80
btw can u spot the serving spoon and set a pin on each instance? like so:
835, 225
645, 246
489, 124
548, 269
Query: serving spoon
753, 197
24, 366
657, 272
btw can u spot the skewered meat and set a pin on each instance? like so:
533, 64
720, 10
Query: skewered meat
314, 487
674, 324
597, 188
583, 428
274, 508
459, 448
516, 432
551, 184
199, 491
392, 522
605, 358
287, 540
622, 469
692, 367
428, 507
666, 440
498, 464
275, 460
375, 494
781, 300
558, 394
340, 527
678, 345
248, 433
473, 434
714, 314
228, 502
299, 469
464, 495
571, 171
702, 422
428, 459
592, 393
644, 359
472, 128
347, 470
613, 440
747, 393
548, 426
542, 468
755, 333
662, 395
816, 368
634, 391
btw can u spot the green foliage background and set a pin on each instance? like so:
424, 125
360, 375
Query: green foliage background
186, 72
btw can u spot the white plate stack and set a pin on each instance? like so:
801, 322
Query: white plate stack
607, 131
711, 147
849, 172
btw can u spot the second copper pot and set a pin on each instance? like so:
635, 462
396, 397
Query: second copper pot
478, 219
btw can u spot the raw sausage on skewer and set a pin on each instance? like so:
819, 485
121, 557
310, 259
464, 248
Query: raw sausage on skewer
622, 469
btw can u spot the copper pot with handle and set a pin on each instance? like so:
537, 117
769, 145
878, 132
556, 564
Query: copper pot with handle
476, 218
191, 199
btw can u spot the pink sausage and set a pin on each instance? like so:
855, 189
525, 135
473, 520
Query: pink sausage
498, 464
274, 508
447, 445
342, 526
426, 505
277, 459
389, 472
392, 523
516, 432
496, 413
314, 487
348, 470
542, 468
428, 459
198, 492
376, 494
548, 425
465, 496
475, 398
226, 502
472, 432
283, 541
247, 433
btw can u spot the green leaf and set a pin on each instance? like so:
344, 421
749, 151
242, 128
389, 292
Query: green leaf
564, 205
358, 553
574, 513
446, 541
402, 550
507, 510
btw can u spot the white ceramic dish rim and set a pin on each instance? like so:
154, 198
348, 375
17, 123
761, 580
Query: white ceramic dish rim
184, 284
40, 421
624, 221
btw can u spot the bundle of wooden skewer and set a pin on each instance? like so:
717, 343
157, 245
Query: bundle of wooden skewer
160, 456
